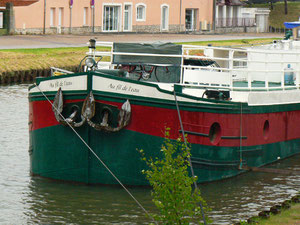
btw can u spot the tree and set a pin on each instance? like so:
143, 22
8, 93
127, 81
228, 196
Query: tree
172, 191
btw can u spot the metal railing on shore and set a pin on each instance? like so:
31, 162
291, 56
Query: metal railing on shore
235, 22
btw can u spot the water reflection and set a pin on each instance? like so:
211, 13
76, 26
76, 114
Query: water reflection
32, 200
58, 202
246, 195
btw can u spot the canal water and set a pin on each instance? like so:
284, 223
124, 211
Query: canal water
32, 200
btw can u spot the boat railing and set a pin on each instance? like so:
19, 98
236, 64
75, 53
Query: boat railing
232, 68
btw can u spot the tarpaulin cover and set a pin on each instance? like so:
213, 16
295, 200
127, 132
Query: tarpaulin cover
291, 25
154, 48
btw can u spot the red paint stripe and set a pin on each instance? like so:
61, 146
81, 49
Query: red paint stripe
41, 114
153, 121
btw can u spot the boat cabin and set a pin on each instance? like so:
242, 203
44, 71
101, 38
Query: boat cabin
214, 72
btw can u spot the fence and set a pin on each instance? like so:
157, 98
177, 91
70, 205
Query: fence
235, 22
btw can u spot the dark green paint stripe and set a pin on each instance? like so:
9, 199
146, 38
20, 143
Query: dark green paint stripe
233, 137
194, 133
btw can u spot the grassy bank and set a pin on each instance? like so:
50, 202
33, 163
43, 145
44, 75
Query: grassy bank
44, 58
277, 16
34, 59
286, 217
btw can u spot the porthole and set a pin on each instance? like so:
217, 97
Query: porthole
266, 129
215, 133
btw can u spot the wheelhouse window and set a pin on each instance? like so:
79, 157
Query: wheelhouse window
141, 12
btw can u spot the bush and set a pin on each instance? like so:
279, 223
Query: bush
172, 192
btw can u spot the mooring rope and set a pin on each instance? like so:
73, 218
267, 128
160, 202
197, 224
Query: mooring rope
106, 167
189, 158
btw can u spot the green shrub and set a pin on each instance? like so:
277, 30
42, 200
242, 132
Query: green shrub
172, 191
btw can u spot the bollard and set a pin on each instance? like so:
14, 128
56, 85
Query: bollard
264, 214
295, 199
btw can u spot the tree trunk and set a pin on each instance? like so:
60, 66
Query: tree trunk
285, 7
271, 5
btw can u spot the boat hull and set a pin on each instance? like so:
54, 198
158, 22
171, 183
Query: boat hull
69, 159
241, 137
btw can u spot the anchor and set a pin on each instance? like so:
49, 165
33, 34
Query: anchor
88, 112
58, 107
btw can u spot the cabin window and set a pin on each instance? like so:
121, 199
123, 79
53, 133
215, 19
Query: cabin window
141, 12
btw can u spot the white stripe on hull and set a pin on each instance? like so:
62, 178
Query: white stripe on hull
74, 83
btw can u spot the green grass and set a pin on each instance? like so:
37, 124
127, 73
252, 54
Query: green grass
41, 58
277, 16
3, 32
232, 42
286, 217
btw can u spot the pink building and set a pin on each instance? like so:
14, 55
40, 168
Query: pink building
80, 16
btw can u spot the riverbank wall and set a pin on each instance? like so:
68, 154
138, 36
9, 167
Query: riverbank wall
27, 76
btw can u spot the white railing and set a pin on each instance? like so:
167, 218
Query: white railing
231, 66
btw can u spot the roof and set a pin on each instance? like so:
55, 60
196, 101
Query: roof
291, 25
18, 2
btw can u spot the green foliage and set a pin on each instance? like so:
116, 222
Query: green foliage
277, 16
172, 191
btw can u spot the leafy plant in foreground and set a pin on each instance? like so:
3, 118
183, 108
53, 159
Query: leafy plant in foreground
172, 192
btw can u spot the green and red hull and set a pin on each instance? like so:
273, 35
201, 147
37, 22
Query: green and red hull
223, 134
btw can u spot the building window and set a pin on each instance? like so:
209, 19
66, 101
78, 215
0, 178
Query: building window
85, 16
61, 17
52, 17
127, 17
164, 17
141, 12
1, 19
191, 19
111, 18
